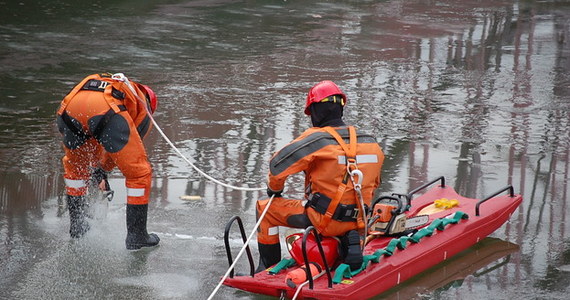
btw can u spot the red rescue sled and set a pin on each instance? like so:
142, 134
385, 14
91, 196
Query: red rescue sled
455, 224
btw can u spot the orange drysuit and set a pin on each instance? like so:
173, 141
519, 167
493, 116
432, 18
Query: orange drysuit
324, 161
102, 123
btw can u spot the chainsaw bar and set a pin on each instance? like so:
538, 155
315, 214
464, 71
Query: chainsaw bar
416, 221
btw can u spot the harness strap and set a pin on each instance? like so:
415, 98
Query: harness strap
350, 149
74, 91
113, 93
350, 152
342, 213
101, 86
93, 83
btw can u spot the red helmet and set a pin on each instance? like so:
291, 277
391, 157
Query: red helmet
321, 91
330, 248
151, 97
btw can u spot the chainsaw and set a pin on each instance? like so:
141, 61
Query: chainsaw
388, 217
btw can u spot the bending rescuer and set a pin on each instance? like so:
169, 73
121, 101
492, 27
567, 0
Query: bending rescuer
103, 121
324, 153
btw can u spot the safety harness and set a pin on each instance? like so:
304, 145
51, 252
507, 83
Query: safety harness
343, 213
92, 84
332, 208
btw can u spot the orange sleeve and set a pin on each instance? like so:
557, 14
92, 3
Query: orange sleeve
107, 163
293, 158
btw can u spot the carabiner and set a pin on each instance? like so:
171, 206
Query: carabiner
351, 165
357, 172
122, 78
119, 77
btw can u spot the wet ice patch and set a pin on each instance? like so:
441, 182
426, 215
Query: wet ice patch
564, 268
165, 285
186, 236
183, 236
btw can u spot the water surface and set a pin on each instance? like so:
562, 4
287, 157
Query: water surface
476, 91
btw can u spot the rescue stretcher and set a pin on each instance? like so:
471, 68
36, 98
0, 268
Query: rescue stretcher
455, 224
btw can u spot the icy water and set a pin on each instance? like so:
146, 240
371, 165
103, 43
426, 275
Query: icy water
477, 91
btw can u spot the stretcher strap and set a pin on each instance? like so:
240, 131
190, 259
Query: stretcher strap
438, 224
283, 264
344, 271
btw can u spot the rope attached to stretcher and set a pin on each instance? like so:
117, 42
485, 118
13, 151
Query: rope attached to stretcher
121, 77
245, 244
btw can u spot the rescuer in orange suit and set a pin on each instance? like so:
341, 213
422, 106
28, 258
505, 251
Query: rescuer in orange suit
103, 121
324, 153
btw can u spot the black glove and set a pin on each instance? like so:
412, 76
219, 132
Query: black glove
98, 176
271, 192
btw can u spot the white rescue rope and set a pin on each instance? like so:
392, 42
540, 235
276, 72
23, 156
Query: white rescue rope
243, 248
121, 77
358, 189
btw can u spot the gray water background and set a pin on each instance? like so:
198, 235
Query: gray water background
476, 91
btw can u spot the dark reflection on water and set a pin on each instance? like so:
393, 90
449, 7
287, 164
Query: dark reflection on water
473, 90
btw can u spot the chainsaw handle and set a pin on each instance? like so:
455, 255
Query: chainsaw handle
392, 198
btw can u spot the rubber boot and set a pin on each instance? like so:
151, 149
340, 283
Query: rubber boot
269, 254
78, 225
353, 252
137, 236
